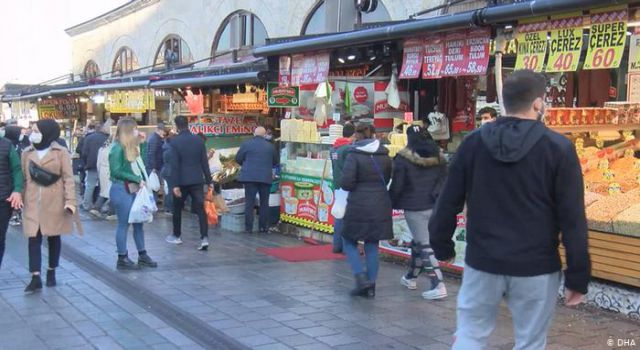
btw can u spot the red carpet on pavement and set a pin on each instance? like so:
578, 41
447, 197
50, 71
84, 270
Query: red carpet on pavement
302, 253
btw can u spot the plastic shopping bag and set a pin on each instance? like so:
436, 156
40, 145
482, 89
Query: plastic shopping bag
210, 209
166, 188
339, 203
143, 208
154, 182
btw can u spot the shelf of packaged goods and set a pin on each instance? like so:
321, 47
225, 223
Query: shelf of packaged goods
614, 257
592, 128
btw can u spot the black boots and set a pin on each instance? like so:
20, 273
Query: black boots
51, 278
145, 260
35, 285
364, 287
124, 263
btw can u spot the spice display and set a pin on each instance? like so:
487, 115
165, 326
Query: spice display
628, 222
601, 213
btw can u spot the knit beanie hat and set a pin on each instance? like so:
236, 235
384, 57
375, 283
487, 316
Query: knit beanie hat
50, 131
420, 142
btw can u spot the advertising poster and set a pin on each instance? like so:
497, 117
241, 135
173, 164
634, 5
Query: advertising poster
284, 71
566, 43
309, 68
400, 245
532, 44
607, 37
478, 41
57, 108
281, 96
383, 114
361, 94
130, 101
433, 57
224, 125
306, 201
412, 56
456, 54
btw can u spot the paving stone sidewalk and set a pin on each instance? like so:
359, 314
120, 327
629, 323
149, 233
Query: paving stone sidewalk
242, 298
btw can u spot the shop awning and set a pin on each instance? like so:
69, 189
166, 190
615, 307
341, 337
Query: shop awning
209, 80
481, 17
138, 84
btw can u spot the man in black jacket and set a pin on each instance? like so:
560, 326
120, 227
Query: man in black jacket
189, 172
89, 155
522, 184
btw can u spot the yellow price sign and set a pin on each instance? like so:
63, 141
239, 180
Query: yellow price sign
566, 43
607, 37
532, 44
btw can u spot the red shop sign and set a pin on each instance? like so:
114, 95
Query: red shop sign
309, 69
284, 73
478, 50
413, 54
456, 55
434, 52
296, 69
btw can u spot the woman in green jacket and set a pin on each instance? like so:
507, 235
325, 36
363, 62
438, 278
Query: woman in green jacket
128, 175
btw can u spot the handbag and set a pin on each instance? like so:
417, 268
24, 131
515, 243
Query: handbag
339, 207
42, 176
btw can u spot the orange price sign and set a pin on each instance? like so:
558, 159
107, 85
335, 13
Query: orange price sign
566, 43
607, 37
532, 44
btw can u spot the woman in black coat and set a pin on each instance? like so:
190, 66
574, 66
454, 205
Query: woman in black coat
366, 173
418, 173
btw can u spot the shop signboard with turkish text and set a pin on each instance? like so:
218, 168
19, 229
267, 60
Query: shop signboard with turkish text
565, 44
634, 53
477, 42
412, 57
284, 71
383, 114
532, 44
307, 201
456, 55
224, 125
282, 96
433, 56
309, 68
57, 108
607, 38
130, 101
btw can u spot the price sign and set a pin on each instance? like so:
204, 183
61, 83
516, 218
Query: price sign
434, 51
607, 36
566, 43
455, 55
284, 73
408, 117
413, 54
634, 53
532, 44
478, 41
296, 69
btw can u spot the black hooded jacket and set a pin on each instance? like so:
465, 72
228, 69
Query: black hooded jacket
523, 185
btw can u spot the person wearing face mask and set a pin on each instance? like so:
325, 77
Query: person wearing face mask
11, 184
487, 115
49, 198
522, 184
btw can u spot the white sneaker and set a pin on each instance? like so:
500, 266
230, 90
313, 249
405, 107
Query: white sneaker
409, 283
173, 239
204, 244
439, 292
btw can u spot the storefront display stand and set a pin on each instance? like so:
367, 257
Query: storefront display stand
594, 128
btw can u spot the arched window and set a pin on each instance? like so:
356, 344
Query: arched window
91, 70
125, 62
315, 22
172, 52
240, 30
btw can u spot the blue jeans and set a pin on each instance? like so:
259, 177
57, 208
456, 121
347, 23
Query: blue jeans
371, 257
122, 202
250, 191
337, 234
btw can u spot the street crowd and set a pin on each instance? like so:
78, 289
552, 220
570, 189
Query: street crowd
518, 182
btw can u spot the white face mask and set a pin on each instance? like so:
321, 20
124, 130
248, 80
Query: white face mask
35, 138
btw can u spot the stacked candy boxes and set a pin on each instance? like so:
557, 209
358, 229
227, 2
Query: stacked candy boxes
581, 116
626, 112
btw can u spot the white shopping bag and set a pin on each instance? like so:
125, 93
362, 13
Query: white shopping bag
339, 203
143, 208
154, 182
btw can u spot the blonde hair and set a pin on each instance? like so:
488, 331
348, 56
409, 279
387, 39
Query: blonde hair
130, 142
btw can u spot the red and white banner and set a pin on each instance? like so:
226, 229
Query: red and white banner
413, 54
434, 52
284, 72
309, 69
456, 55
478, 49
383, 114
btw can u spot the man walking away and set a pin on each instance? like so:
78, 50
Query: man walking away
338, 157
189, 172
82, 174
11, 185
523, 186
257, 156
90, 147
154, 154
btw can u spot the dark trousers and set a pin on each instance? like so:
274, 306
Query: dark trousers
35, 255
196, 193
5, 216
250, 191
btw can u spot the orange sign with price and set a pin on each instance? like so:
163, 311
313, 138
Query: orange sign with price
607, 37
532, 44
566, 43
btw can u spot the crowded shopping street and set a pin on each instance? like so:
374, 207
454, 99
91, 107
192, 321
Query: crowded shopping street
320, 174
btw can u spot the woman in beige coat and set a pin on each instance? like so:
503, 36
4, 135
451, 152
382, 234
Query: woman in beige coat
49, 198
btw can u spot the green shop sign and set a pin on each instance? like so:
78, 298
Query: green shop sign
282, 97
